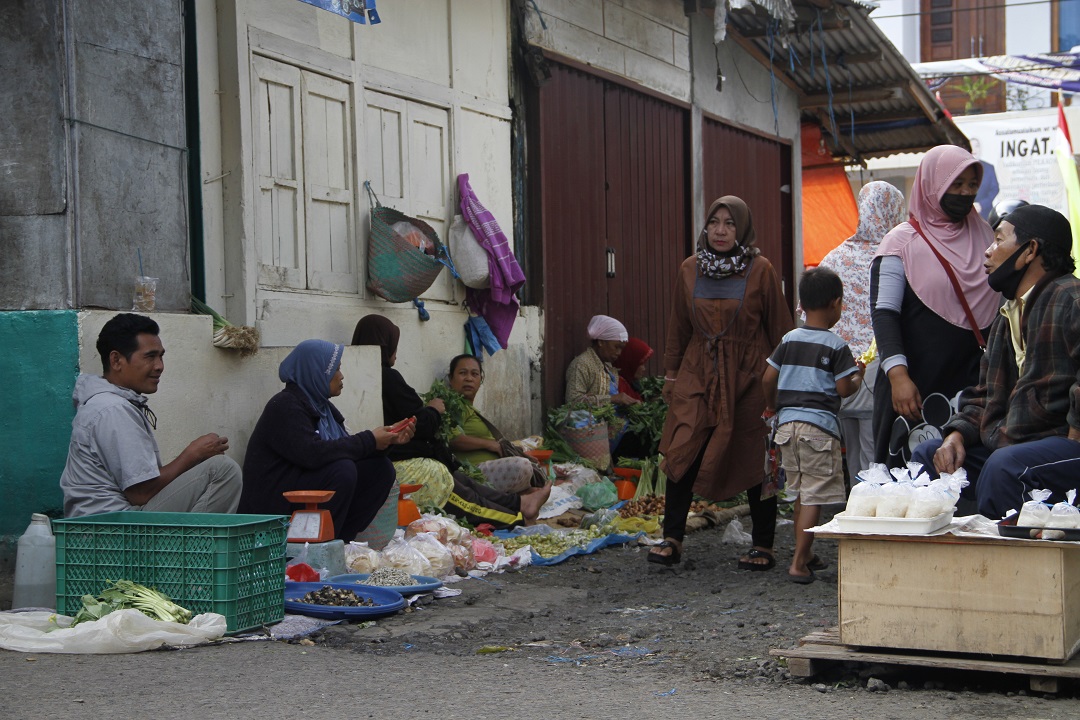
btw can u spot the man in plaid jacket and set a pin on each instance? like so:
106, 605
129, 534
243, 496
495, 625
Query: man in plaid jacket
1018, 429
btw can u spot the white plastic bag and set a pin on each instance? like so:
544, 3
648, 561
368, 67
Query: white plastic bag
362, 559
444, 527
1035, 512
399, 554
470, 258
863, 499
1064, 514
735, 534
927, 502
121, 631
559, 501
437, 554
894, 500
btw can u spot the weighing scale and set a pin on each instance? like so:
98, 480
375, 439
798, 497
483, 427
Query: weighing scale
406, 509
310, 524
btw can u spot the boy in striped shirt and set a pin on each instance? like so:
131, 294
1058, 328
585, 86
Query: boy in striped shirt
806, 377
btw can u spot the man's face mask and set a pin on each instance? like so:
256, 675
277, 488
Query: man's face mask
1005, 278
956, 206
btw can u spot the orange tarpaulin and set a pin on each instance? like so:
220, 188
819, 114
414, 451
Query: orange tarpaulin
829, 212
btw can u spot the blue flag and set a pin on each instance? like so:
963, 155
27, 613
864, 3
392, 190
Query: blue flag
359, 11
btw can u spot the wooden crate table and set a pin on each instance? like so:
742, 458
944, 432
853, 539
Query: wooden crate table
960, 594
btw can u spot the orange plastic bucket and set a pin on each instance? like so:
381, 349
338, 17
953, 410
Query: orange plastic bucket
627, 489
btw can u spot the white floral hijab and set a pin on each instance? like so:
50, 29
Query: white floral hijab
881, 208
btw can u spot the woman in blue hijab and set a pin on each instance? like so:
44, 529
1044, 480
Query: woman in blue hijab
301, 443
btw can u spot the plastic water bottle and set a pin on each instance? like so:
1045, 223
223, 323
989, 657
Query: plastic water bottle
35, 566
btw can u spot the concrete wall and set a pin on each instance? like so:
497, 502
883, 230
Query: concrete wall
646, 41
35, 269
95, 159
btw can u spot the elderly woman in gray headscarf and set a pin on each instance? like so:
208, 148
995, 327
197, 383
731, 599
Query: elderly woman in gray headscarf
592, 377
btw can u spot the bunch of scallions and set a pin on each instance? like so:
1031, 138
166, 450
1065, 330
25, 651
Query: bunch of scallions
242, 338
125, 594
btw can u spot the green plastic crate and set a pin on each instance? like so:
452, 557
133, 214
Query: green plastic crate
233, 565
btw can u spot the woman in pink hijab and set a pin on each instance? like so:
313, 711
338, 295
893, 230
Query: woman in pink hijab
930, 303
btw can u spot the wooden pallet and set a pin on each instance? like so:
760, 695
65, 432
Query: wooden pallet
825, 646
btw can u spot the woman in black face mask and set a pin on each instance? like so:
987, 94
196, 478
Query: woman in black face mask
931, 305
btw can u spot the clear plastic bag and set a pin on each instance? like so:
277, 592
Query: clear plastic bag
438, 555
414, 236
927, 502
145, 297
1064, 514
894, 500
735, 535
400, 554
1035, 512
462, 552
361, 558
863, 499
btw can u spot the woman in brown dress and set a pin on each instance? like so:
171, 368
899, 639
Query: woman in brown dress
727, 315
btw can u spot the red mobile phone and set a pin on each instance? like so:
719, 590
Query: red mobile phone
398, 427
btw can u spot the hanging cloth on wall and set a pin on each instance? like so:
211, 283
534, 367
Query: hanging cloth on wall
496, 304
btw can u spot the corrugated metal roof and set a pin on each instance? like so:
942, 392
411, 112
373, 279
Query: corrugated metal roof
849, 78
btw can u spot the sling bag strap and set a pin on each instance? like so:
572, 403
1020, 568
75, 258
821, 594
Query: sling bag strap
955, 284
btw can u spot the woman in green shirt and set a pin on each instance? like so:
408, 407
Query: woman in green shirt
480, 442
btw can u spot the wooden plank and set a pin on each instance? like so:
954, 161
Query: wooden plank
841, 653
801, 667
825, 637
1041, 684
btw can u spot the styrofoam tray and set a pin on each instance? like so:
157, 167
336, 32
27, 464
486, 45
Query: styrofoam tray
892, 526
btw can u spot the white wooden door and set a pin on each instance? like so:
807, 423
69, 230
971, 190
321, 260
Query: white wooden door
279, 162
329, 188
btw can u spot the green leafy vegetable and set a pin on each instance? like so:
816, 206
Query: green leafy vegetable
456, 407
201, 308
125, 594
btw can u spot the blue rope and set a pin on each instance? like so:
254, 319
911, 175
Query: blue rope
851, 109
828, 80
419, 305
537, 9
772, 80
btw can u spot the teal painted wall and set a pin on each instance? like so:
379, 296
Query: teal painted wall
39, 361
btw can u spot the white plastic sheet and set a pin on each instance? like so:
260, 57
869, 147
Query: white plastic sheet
121, 631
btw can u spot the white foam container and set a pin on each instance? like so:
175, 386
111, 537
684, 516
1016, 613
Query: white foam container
892, 526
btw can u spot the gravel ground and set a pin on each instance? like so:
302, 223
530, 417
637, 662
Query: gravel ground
604, 635
702, 621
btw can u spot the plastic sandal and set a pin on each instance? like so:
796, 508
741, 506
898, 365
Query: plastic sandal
756, 554
668, 560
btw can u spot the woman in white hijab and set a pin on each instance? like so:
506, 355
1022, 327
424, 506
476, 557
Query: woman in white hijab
592, 377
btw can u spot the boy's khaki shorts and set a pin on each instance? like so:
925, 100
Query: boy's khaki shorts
811, 460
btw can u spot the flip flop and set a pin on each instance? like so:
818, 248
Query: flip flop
802, 579
816, 563
756, 554
667, 560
